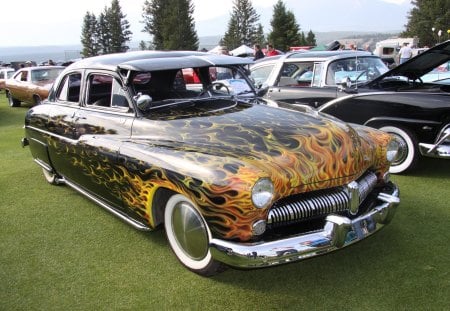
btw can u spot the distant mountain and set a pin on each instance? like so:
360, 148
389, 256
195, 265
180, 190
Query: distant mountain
62, 53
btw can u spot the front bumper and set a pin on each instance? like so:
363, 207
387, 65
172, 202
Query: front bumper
338, 232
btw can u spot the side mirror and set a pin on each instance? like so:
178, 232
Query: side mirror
143, 101
262, 91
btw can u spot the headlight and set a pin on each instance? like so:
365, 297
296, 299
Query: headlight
262, 192
392, 150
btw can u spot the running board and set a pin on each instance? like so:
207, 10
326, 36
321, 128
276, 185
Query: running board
133, 222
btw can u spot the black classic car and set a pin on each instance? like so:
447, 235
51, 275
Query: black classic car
411, 101
233, 180
313, 77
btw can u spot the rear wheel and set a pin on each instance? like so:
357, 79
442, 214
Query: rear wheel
189, 236
408, 154
12, 101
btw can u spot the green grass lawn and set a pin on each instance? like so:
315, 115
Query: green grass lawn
60, 251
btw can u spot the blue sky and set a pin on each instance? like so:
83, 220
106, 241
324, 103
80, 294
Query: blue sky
50, 22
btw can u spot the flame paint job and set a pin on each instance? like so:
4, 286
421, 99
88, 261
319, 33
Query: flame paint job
213, 156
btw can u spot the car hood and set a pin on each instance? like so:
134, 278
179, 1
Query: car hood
305, 148
420, 64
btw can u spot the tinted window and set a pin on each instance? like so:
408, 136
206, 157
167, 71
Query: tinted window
69, 90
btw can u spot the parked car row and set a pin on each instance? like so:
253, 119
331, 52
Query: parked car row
411, 101
185, 141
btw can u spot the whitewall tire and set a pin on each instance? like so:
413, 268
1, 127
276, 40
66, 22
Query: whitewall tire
189, 236
408, 154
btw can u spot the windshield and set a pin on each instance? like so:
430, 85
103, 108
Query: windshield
439, 74
357, 69
45, 74
186, 84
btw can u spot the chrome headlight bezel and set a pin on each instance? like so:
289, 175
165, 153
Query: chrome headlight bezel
392, 150
262, 193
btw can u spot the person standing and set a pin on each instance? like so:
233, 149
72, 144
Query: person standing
271, 51
258, 52
405, 53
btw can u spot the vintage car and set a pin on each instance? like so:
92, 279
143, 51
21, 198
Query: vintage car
5, 73
313, 77
411, 101
233, 180
31, 84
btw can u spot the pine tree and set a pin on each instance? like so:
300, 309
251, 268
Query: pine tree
171, 24
285, 30
232, 37
425, 16
106, 34
142, 45
103, 33
310, 39
119, 28
260, 38
242, 27
89, 39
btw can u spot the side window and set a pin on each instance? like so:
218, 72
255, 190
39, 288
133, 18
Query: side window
69, 90
22, 76
105, 91
261, 74
119, 98
317, 74
99, 90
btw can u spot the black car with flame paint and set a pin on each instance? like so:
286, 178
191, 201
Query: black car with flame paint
233, 180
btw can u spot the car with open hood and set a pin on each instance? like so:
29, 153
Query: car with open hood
234, 180
411, 101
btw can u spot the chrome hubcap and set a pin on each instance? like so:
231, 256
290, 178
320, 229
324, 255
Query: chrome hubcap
189, 231
402, 153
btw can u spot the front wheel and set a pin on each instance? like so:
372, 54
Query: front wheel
189, 236
407, 156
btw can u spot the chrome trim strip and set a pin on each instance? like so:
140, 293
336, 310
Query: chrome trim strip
44, 165
434, 151
338, 232
135, 223
60, 137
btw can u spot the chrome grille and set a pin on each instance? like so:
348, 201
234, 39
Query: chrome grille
320, 203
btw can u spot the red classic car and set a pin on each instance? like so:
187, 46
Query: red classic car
31, 84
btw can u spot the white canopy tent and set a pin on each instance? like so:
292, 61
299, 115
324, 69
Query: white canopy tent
242, 50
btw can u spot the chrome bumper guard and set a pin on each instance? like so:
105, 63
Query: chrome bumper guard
338, 232
441, 149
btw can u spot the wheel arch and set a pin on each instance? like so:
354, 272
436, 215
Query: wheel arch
158, 205
424, 131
